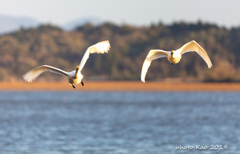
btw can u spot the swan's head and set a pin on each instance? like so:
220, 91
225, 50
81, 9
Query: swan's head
77, 68
175, 54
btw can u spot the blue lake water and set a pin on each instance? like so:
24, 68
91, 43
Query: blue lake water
118, 122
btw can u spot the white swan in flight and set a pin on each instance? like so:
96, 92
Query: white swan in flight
174, 56
75, 77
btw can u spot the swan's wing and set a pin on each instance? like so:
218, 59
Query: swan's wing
153, 54
34, 73
101, 47
194, 46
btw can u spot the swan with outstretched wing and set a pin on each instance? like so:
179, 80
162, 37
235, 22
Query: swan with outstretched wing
174, 56
75, 77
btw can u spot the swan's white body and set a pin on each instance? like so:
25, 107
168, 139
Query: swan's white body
174, 56
75, 77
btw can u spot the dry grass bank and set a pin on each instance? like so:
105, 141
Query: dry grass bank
121, 86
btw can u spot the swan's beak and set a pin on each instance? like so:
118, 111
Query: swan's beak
172, 52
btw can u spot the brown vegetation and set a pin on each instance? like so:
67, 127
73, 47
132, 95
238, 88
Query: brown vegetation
121, 86
28, 48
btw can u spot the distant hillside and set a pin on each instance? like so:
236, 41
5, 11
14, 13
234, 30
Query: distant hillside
82, 21
46, 44
10, 24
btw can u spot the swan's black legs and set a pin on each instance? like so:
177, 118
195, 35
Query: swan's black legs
73, 86
82, 83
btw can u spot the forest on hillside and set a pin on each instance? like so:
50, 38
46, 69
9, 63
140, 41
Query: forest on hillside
26, 49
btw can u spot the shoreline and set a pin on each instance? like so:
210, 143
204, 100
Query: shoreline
120, 86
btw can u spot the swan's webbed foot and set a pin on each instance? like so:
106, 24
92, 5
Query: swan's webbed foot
82, 83
73, 86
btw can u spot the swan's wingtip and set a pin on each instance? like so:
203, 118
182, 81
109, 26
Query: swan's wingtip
106, 41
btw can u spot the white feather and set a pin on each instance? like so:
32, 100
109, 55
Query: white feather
34, 73
101, 47
152, 55
75, 77
174, 56
195, 47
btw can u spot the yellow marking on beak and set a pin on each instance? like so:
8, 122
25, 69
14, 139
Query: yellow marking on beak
78, 67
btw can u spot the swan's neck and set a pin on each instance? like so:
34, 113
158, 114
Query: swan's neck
77, 72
